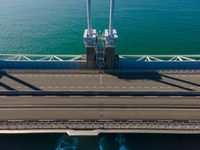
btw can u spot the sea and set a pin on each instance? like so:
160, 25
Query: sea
56, 27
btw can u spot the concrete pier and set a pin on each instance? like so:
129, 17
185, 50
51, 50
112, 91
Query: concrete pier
110, 58
90, 54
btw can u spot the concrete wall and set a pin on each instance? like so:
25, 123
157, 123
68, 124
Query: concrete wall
90, 54
110, 58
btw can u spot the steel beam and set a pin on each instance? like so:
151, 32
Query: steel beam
112, 4
89, 22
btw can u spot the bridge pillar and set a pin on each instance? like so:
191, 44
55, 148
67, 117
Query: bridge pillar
90, 58
110, 38
109, 58
90, 39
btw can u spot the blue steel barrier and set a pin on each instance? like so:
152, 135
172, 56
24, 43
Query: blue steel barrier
41, 65
156, 65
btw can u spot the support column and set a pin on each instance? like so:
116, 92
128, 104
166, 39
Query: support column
91, 61
110, 57
110, 40
90, 39
89, 22
112, 5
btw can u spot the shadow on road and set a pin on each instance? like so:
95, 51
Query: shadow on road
22, 82
154, 76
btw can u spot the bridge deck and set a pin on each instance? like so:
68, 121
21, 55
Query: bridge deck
22, 100
99, 108
131, 82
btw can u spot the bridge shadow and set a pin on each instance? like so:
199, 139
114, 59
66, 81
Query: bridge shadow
20, 81
154, 76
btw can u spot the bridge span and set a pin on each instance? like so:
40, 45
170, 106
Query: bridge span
99, 102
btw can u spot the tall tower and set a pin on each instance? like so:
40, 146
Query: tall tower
110, 38
90, 39
100, 50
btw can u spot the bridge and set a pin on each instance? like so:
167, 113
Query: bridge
99, 92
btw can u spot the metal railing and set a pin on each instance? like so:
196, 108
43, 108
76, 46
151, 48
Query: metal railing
35, 57
104, 124
147, 58
170, 58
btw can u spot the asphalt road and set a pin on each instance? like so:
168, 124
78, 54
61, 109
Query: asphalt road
49, 107
132, 82
99, 108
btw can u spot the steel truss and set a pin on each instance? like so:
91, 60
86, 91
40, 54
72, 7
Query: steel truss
33, 57
170, 58
79, 58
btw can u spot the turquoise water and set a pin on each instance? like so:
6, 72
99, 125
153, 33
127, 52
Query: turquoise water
56, 26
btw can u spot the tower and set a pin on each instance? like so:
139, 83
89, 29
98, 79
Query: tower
110, 37
90, 39
100, 50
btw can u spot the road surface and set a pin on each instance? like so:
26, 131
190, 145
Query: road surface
131, 82
99, 108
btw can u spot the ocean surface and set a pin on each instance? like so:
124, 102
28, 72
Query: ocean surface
56, 27
101, 142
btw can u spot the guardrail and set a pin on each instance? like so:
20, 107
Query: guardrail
33, 57
37, 57
159, 58
107, 124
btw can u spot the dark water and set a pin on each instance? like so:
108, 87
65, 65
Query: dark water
102, 142
56, 26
